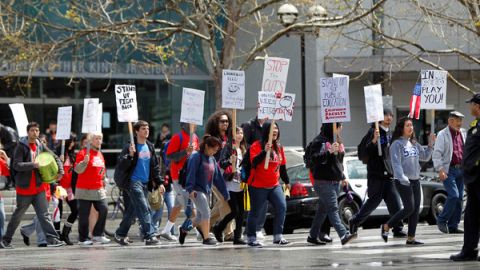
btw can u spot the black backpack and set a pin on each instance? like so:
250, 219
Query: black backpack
307, 156
362, 148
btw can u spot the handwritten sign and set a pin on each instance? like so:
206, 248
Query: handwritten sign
434, 89
272, 107
126, 97
275, 74
64, 123
373, 103
20, 116
233, 89
90, 120
192, 106
334, 99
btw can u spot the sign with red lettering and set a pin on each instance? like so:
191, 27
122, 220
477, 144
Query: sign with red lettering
334, 99
434, 89
275, 74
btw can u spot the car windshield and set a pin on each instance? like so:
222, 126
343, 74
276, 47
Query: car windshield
356, 169
298, 174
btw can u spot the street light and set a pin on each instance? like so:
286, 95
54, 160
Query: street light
288, 15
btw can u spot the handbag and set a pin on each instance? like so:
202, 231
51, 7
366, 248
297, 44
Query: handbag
155, 199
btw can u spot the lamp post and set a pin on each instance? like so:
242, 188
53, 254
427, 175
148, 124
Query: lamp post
288, 15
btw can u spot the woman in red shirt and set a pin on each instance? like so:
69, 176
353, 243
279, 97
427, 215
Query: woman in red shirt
91, 190
264, 184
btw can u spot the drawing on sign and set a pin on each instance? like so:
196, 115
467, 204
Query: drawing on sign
284, 107
434, 89
233, 89
274, 108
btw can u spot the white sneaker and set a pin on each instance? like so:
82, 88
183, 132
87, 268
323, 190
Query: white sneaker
260, 235
101, 239
168, 236
85, 243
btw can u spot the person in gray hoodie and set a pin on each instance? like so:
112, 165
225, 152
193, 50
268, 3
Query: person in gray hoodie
405, 154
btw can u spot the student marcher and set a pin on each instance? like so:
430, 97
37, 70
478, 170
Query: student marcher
405, 154
471, 177
264, 185
4, 172
179, 149
202, 173
447, 160
326, 167
380, 185
91, 191
141, 163
30, 190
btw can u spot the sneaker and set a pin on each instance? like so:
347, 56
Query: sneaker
326, 238
209, 241
315, 241
5, 244
101, 239
152, 241
218, 234
26, 239
413, 242
442, 227
183, 234
352, 226
455, 231
168, 236
260, 235
281, 242
399, 234
42, 245
347, 238
255, 244
85, 243
239, 242
123, 241
384, 233
56, 243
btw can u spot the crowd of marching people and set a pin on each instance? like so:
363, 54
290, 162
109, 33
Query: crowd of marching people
240, 169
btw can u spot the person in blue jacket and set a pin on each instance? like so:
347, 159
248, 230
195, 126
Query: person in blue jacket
202, 172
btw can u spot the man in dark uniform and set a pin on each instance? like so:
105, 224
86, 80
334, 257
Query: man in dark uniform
471, 168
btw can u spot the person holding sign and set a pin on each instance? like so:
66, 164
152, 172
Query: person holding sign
379, 177
91, 170
264, 185
405, 154
143, 174
180, 147
326, 168
29, 186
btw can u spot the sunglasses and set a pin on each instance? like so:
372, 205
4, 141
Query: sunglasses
224, 121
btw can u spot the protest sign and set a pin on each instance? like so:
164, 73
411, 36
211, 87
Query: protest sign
373, 103
275, 74
20, 116
64, 123
126, 98
334, 99
233, 89
273, 108
90, 120
192, 106
434, 89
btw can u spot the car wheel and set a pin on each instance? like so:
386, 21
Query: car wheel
347, 210
436, 207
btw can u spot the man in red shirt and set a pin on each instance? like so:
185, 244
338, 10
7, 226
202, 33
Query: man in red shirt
30, 190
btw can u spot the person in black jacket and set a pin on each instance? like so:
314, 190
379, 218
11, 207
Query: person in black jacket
471, 170
143, 173
252, 130
327, 171
379, 177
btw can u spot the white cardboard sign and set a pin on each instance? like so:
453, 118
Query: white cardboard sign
126, 97
20, 116
192, 106
334, 99
64, 123
233, 89
90, 115
434, 89
373, 103
275, 74
272, 107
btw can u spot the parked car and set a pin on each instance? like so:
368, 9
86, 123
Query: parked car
302, 203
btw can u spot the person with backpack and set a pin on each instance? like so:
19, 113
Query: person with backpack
203, 173
326, 167
405, 155
228, 157
264, 185
380, 184
178, 151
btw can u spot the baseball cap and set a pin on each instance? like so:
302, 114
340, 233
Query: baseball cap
475, 98
456, 114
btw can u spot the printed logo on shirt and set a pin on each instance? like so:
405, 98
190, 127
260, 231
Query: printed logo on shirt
97, 162
144, 154
410, 151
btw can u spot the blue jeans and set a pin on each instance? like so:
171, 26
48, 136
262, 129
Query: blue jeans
168, 198
2, 218
34, 226
452, 210
327, 206
138, 206
258, 197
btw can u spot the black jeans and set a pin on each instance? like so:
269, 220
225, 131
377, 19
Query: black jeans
83, 213
472, 216
237, 210
379, 188
73, 209
410, 196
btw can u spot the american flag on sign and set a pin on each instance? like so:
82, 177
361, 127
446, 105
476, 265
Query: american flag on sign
415, 102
